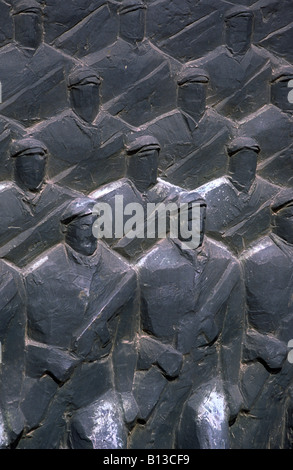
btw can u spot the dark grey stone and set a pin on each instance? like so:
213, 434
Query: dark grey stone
12, 311
31, 207
76, 135
37, 397
99, 426
239, 205
197, 25
147, 388
192, 138
32, 72
138, 79
186, 296
54, 361
142, 186
269, 264
144, 341
239, 71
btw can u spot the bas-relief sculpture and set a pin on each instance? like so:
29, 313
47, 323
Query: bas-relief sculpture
30, 206
83, 137
238, 204
102, 288
199, 153
240, 72
138, 80
120, 343
190, 299
276, 147
267, 333
141, 186
32, 72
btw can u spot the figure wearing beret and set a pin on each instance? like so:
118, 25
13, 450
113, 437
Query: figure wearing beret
31, 205
9, 130
80, 326
267, 374
138, 80
85, 142
239, 72
32, 73
193, 138
12, 334
141, 186
192, 312
272, 127
239, 204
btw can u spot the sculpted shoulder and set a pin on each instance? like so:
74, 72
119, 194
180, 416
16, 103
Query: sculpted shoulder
212, 116
219, 251
164, 255
215, 54
10, 283
216, 190
48, 263
107, 193
113, 262
261, 252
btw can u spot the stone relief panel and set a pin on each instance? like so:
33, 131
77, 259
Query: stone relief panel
146, 203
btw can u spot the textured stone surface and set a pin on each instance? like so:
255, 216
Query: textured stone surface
127, 343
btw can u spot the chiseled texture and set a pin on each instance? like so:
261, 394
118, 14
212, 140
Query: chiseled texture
142, 343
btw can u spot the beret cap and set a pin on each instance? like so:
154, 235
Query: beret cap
285, 73
27, 6
241, 143
135, 144
18, 147
83, 74
191, 196
283, 199
130, 5
77, 208
239, 10
192, 74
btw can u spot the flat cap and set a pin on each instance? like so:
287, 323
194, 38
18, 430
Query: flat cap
136, 144
239, 10
283, 199
192, 74
77, 208
284, 73
191, 197
241, 143
22, 146
130, 5
27, 6
83, 75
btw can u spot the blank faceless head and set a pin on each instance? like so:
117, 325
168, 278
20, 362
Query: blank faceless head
243, 153
27, 19
239, 27
132, 20
30, 158
142, 161
84, 87
192, 91
282, 216
77, 225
